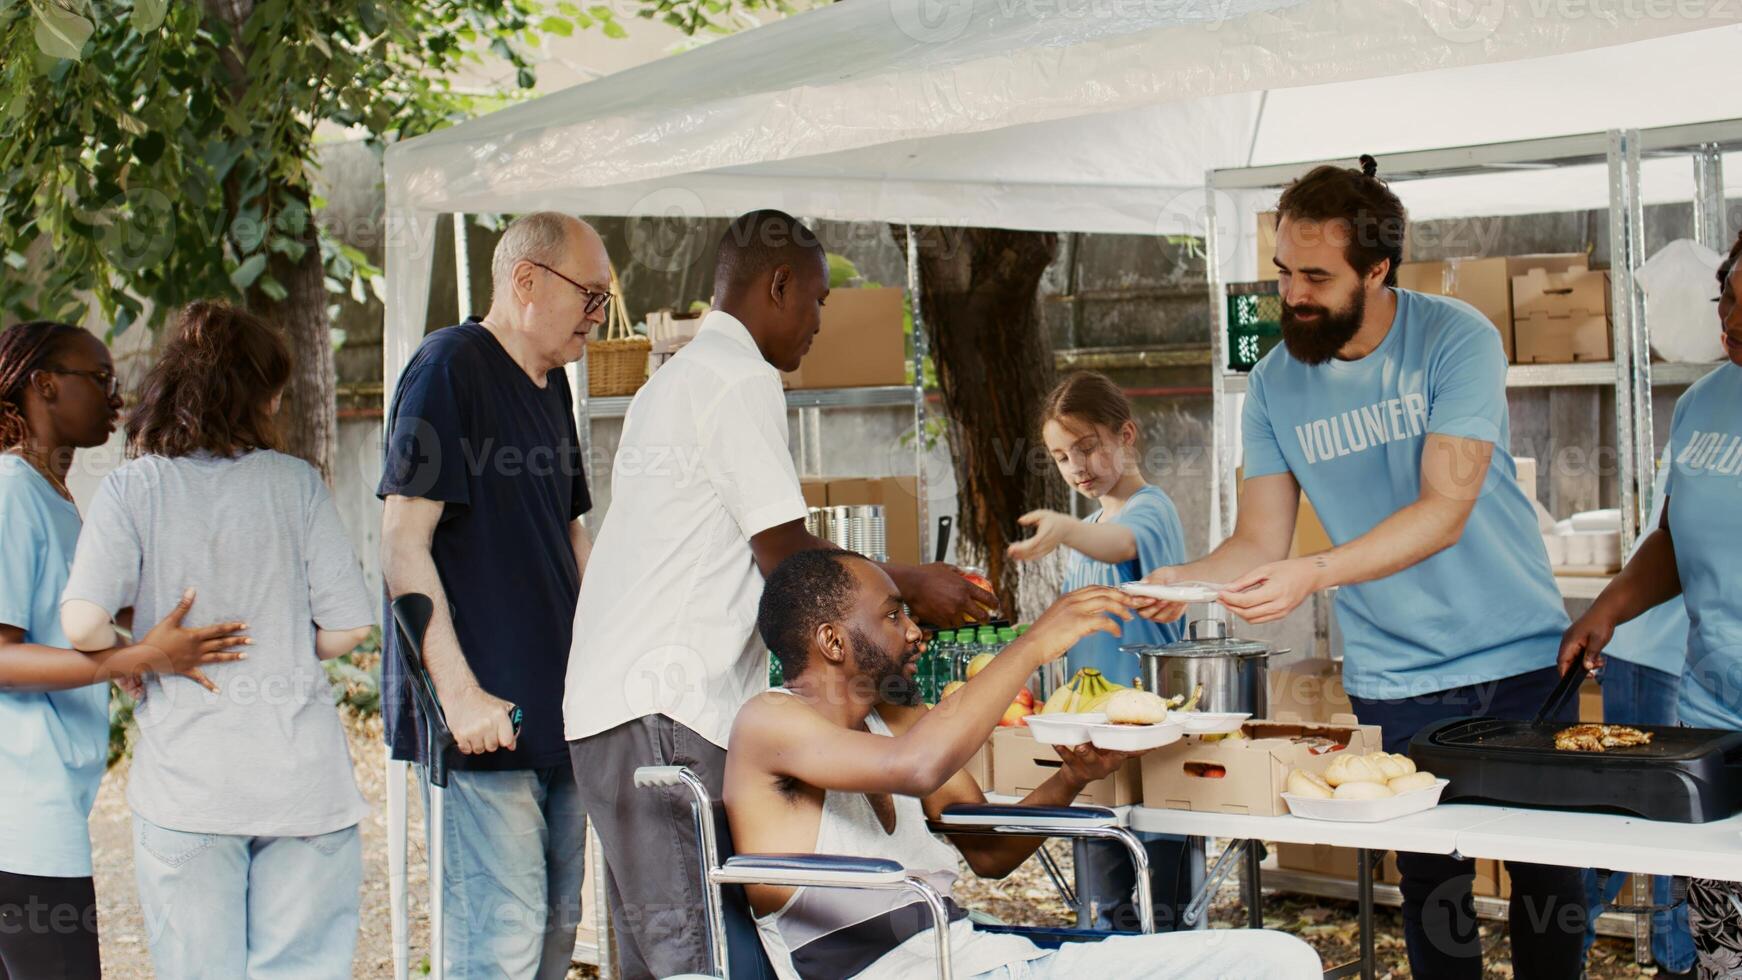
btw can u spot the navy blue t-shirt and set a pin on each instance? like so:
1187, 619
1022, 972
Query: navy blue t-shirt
470, 429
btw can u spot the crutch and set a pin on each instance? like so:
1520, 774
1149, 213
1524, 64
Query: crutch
411, 615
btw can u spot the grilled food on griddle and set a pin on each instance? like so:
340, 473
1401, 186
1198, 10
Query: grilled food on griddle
1599, 738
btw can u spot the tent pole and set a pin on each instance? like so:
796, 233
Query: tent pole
921, 346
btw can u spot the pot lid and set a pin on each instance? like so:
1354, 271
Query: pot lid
1204, 638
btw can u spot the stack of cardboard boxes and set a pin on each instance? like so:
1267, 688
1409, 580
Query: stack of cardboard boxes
862, 342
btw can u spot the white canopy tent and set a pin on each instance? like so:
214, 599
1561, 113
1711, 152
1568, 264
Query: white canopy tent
1081, 115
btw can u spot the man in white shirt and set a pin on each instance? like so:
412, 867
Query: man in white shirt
704, 503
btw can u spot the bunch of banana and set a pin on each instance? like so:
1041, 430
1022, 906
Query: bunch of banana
1087, 691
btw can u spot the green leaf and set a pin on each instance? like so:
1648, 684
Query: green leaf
369, 15
149, 148
148, 15
292, 218
615, 30
273, 290
60, 32
250, 270
524, 78
558, 26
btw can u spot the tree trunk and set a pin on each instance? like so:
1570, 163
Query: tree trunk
308, 417
978, 300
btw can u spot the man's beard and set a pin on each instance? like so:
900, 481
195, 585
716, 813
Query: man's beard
1317, 342
893, 685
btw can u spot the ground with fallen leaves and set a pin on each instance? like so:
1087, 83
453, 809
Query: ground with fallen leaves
1026, 896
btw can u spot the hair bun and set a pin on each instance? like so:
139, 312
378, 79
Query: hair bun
1369, 166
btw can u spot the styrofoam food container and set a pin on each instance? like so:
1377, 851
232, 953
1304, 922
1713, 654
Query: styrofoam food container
1177, 592
1209, 722
1556, 546
1064, 729
1367, 811
1134, 738
1579, 549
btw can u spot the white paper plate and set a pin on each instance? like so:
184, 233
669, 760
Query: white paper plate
1367, 811
1209, 722
1134, 738
1064, 729
1177, 592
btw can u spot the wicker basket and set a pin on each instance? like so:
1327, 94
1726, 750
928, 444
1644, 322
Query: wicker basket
617, 365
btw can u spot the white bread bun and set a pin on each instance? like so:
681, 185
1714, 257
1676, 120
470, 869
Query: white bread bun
1363, 791
1136, 708
1412, 782
1303, 783
1353, 769
1387, 765
1405, 761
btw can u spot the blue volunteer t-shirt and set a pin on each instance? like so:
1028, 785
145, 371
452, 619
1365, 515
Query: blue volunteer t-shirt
1353, 433
1154, 522
56, 743
1657, 638
1705, 519
470, 429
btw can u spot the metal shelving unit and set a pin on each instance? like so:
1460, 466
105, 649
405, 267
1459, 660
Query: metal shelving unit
807, 403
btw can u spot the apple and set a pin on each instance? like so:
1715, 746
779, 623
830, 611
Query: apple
951, 688
1014, 716
978, 664
1025, 697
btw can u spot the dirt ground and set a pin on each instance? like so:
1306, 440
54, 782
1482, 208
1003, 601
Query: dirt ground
1025, 896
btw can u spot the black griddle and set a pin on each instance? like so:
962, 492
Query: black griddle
1684, 775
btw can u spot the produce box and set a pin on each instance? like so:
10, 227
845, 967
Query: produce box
980, 767
1310, 536
862, 342
1020, 765
1492, 879
1308, 690
1247, 775
1561, 317
1266, 237
1335, 862
816, 492
1485, 284
899, 498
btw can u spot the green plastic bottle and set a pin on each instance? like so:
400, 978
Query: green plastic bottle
934, 667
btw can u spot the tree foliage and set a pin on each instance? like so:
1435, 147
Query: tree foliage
162, 152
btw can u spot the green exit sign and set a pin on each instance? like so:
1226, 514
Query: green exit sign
1254, 322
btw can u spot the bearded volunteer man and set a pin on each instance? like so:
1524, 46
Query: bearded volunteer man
704, 502
1388, 409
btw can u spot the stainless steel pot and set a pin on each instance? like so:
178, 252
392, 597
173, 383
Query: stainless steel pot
1231, 670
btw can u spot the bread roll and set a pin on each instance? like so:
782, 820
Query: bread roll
1406, 762
1303, 783
1136, 708
1412, 782
1387, 765
1363, 791
1353, 769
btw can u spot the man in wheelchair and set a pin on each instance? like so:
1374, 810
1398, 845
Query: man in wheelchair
845, 760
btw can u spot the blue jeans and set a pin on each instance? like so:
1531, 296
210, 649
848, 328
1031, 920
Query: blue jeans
1439, 912
224, 907
514, 853
1209, 954
1634, 694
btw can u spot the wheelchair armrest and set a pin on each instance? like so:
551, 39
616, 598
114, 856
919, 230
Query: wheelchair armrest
823, 870
655, 777
1017, 818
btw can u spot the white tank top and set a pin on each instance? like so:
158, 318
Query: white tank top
879, 935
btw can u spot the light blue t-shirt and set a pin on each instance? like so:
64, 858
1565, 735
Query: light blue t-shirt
1658, 638
1353, 433
54, 745
1154, 522
1705, 519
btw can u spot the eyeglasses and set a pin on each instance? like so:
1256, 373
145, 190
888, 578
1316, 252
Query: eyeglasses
105, 380
594, 298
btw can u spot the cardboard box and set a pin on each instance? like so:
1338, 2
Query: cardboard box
1335, 862
1526, 467
1492, 879
1247, 775
1485, 284
1267, 245
815, 490
899, 498
1591, 702
1308, 690
1561, 317
1020, 765
980, 767
861, 343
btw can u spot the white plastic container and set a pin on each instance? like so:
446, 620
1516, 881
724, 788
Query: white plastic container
1064, 729
1556, 545
1209, 722
1580, 553
1367, 811
1177, 592
1134, 738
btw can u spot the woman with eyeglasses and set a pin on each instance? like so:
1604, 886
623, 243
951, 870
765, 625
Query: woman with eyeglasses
58, 394
245, 810
1696, 553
